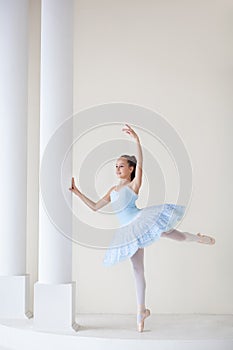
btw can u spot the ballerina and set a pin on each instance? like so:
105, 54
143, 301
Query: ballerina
139, 227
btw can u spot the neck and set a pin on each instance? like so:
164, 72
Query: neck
124, 181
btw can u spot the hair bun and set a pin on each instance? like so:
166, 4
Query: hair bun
133, 158
130, 158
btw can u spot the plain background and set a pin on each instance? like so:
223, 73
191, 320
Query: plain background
174, 57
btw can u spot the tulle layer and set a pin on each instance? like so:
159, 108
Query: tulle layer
145, 229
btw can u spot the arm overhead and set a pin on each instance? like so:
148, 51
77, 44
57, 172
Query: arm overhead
93, 205
138, 173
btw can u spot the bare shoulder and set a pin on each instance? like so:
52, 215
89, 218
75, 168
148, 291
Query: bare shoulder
104, 200
111, 189
107, 195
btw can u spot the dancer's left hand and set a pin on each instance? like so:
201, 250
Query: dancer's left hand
130, 131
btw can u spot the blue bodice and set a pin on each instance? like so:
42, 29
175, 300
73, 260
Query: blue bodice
123, 203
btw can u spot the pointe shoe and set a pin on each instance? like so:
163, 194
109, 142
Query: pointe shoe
140, 325
206, 239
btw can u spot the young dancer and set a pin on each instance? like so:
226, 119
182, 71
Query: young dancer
139, 227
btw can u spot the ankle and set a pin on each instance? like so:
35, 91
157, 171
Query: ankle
140, 312
141, 308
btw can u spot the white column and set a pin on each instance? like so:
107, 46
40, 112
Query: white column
14, 282
54, 293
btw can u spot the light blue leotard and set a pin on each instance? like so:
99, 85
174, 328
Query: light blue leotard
138, 227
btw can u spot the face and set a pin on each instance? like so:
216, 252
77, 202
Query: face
123, 170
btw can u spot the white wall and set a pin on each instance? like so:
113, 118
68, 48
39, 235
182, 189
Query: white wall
174, 58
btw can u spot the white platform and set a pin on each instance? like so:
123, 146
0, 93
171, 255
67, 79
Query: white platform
114, 332
14, 297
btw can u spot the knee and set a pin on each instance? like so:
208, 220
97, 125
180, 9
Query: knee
139, 269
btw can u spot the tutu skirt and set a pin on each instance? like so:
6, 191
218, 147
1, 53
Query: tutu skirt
145, 227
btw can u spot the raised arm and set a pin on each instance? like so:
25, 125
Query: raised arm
93, 205
138, 173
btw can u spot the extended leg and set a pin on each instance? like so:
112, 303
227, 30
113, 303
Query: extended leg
189, 237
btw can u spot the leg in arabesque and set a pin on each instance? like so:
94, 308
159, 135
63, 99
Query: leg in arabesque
188, 237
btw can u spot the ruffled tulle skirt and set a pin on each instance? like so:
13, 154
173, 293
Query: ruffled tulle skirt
146, 228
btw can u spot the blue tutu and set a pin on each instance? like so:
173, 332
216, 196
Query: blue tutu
139, 227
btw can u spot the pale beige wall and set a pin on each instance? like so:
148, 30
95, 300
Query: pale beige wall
174, 57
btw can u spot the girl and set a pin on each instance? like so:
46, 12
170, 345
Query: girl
139, 227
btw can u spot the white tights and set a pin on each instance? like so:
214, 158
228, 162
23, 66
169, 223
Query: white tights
138, 265
180, 236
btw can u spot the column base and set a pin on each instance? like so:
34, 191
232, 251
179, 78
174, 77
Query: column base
14, 297
54, 307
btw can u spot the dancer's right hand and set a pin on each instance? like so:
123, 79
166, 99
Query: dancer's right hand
73, 188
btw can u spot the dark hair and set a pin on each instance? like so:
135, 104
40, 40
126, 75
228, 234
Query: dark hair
132, 161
